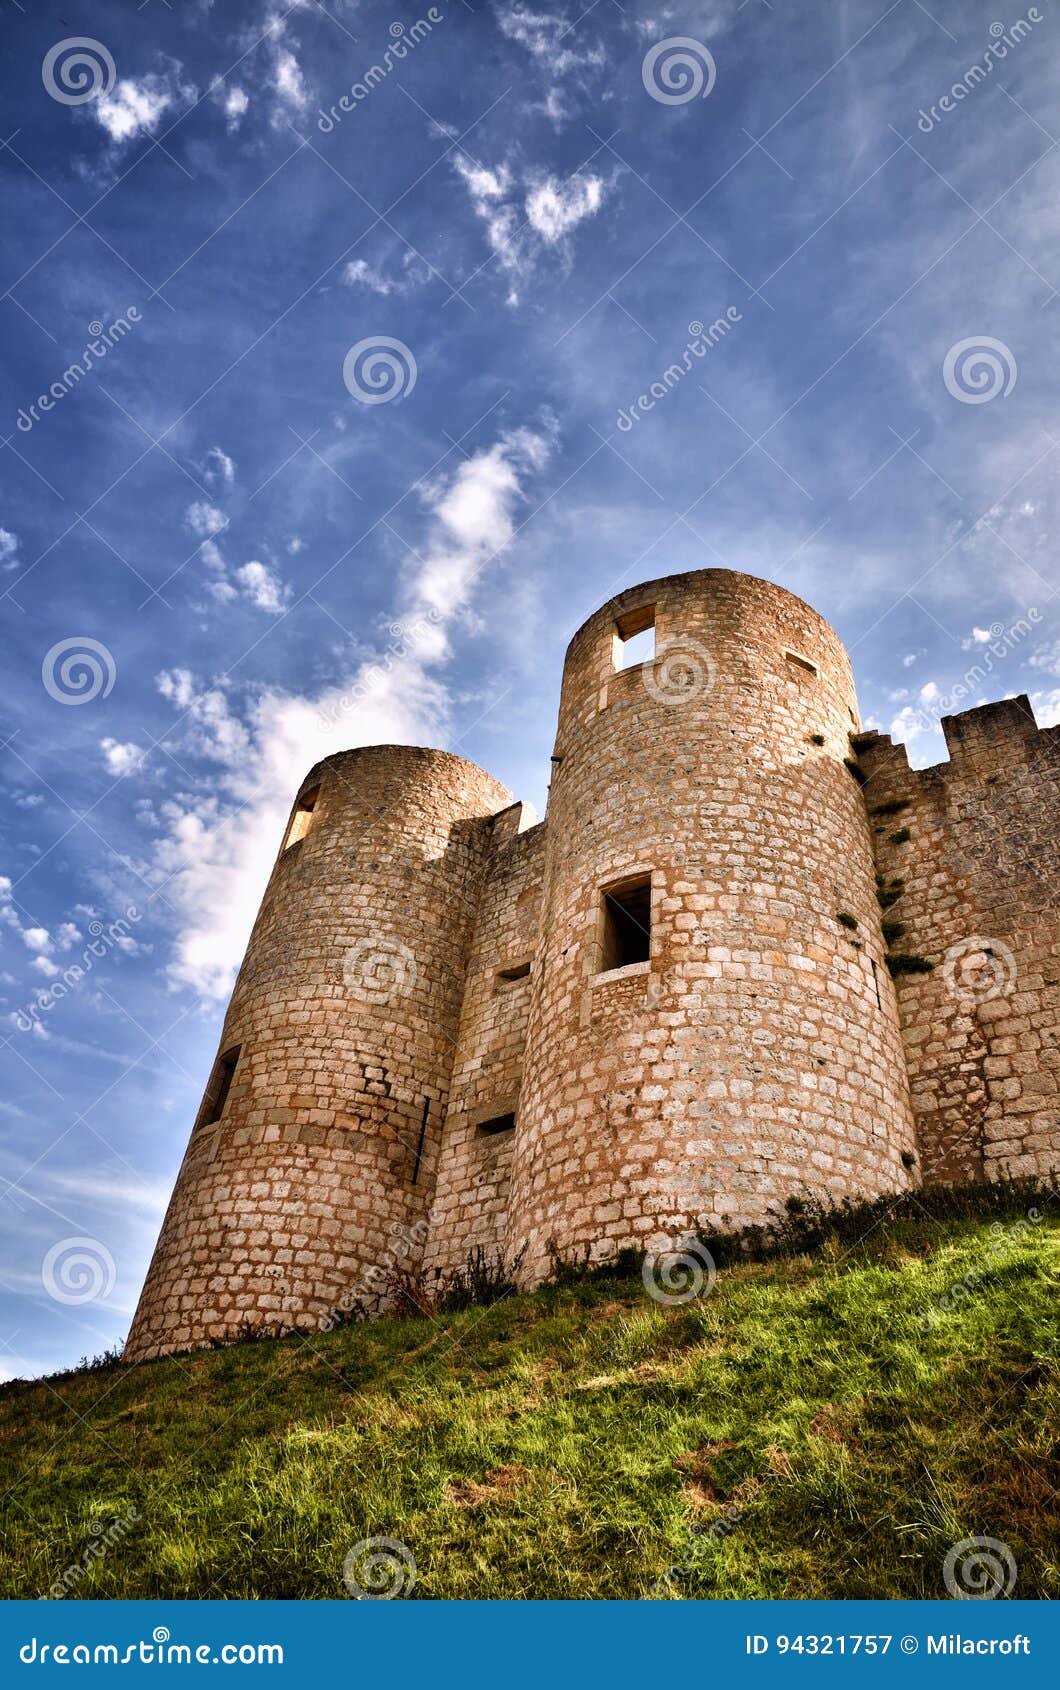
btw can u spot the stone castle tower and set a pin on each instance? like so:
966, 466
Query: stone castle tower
669, 1003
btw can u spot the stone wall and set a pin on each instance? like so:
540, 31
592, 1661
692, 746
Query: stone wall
979, 884
756, 1053
345, 1015
474, 1166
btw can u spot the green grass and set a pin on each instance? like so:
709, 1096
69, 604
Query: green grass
803, 1431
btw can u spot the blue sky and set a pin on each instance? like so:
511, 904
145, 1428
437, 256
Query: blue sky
271, 560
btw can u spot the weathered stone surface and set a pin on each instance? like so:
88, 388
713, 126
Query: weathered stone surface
425, 964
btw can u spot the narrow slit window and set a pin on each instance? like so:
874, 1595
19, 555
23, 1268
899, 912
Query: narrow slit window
213, 1104
634, 640
799, 662
509, 976
497, 1124
302, 817
626, 925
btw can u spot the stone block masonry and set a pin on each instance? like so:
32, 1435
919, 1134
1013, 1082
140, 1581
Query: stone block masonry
669, 1004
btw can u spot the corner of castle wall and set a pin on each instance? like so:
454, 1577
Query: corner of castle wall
991, 731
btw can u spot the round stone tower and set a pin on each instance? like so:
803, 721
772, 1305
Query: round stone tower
712, 1027
303, 1181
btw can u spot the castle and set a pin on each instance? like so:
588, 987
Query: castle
749, 953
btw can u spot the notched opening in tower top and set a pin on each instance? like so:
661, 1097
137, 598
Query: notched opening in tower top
625, 923
303, 815
634, 638
220, 1083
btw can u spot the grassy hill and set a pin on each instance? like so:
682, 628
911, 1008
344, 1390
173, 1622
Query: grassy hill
819, 1425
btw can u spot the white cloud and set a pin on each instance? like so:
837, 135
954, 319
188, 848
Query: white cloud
44, 965
359, 273
135, 107
176, 685
523, 218
220, 858
909, 725
547, 37
8, 549
554, 208
211, 729
121, 759
218, 469
288, 81
67, 934
204, 518
235, 107
263, 587
929, 692
908, 660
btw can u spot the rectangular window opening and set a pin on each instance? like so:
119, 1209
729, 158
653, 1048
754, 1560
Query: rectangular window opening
220, 1083
508, 976
800, 662
497, 1124
634, 639
302, 817
626, 927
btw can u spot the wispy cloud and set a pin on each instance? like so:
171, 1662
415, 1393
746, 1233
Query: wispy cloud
219, 857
